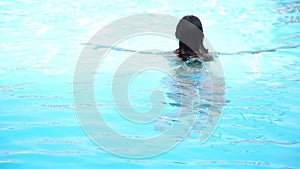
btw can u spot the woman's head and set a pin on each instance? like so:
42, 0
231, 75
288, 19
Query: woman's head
189, 31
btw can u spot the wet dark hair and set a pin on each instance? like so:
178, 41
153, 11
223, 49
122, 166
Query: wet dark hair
189, 31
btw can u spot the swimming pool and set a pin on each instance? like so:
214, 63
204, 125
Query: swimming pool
42, 41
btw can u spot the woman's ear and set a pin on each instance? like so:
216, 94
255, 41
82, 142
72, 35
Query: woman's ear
176, 51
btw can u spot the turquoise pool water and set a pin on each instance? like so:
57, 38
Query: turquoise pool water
40, 45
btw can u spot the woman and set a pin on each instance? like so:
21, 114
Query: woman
189, 31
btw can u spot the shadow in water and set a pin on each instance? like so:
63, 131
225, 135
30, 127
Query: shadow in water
197, 97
